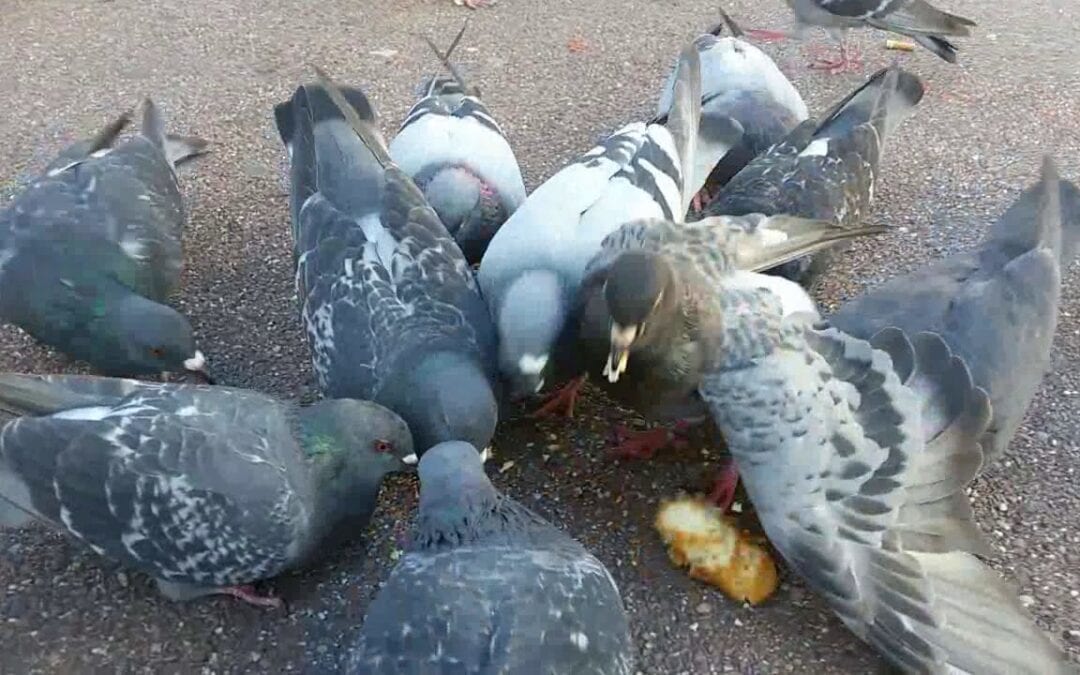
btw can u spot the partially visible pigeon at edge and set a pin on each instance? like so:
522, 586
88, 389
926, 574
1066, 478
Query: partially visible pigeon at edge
392, 311
92, 248
995, 306
205, 488
488, 586
856, 455
454, 150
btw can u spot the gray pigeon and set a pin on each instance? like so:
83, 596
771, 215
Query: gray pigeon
204, 488
455, 152
488, 586
825, 170
91, 250
648, 314
738, 82
996, 306
532, 270
392, 310
916, 19
856, 455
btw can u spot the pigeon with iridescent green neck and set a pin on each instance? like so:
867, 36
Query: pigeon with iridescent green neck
91, 250
206, 489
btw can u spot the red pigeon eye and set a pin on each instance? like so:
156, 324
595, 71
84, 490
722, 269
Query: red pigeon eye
382, 446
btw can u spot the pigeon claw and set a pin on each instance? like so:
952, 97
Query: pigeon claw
645, 444
562, 401
723, 492
249, 595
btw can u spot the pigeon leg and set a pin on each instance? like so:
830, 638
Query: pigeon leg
249, 595
564, 399
701, 200
844, 63
645, 444
723, 492
767, 35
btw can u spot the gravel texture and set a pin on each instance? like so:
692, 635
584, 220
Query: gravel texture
558, 74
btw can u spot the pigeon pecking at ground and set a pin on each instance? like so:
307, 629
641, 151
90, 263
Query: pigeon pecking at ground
531, 273
856, 455
648, 312
91, 250
995, 306
392, 310
825, 170
455, 152
916, 19
488, 586
204, 488
738, 82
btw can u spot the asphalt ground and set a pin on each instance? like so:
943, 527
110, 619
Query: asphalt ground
558, 75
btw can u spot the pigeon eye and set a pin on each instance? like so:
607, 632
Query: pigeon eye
156, 352
382, 446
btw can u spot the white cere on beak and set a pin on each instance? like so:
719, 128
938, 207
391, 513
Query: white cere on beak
619, 355
196, 363
411, 459
486, 454
530, 364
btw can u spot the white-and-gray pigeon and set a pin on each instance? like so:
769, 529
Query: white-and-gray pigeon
738, 82
91, 250
532, 270
204, 488
392, 310
916, 19
856, 456
825, 170
995, 306
455, 152
488, 587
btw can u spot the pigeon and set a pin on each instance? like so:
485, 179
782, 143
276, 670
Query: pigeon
738, 82
206, 489
856, 455
392, 311
648, 312
488, 586
533, 268
825, 170
995, 306
91, 250
916, 19
453, 149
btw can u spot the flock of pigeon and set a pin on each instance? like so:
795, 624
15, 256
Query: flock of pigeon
669, 264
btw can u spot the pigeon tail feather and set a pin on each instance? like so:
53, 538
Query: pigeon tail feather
918, 16
178, 149
683, 121
885, 101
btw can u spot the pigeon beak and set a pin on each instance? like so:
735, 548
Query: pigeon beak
486, 454
411, 459
197, 364
621, 339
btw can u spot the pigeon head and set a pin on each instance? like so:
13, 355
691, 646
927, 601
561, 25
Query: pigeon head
137, 335
531, 318
353, 444
640, 295
445, 397
456, 496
